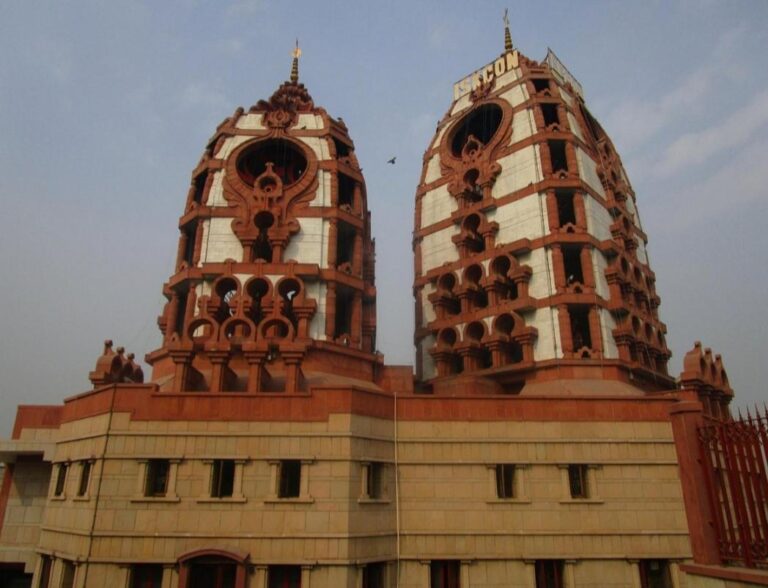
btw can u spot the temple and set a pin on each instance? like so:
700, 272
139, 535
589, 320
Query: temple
542, 442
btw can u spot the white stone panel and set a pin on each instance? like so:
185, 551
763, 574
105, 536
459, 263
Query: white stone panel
437, 205
439, 136
515, 95
641, 252
216, 195
461, 104
518, 170
250, 122
427, 310
508, 77
519, 219
607, 325
433, 169
219, 242
575, 126
588, 171
323, 194
547, 345
317, 291
542, 283
599, 220
599, 265
567, 97
310, 122
319, 147
308, 245
437, 248
230, 144
428, 370
523, 126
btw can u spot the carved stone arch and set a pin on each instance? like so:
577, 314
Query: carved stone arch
275, 329
237, 330
210, 330
228, 564
258, 295
447, 360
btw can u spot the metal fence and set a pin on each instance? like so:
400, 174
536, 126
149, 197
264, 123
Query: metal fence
734, 456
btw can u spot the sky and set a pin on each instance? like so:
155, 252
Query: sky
106, 107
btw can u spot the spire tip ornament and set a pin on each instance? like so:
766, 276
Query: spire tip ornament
295, 65
507, 36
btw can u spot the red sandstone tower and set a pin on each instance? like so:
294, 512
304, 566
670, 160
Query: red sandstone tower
530, 257
274, 278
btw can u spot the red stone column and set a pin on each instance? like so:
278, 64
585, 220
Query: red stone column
330, 311
552, 216
686, 416
579, 209
586, 266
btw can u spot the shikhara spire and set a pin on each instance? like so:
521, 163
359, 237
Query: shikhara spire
507, 34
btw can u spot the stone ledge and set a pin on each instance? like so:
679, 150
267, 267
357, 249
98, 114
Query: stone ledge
750, 576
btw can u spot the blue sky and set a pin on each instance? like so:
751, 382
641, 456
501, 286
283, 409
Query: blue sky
105, 108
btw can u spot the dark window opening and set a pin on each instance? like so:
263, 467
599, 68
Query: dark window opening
540, 84
505, 480
222, 478
346, 192
345, 244
444, 574
475, 241
457, 364
181, 310
199, 182
284, 577
288, 290
373, 480
342, 149
514, 352
156, 482
262, 248
654, 573
226, 290
551, 116
45, 571
566, 209
288, 162
189, 232
557, 155
373, 575
212, 572
67, 574
473, 190
549, 573
580, 332
577, 481
146, 576
257, 289
85, 478
61, 478
482, 124
574, 273
290, 479
343, 320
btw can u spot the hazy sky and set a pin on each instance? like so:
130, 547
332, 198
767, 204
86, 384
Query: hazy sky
105, 108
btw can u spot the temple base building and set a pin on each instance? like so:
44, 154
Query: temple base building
272, 447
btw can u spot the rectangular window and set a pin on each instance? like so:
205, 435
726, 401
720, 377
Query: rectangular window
505, 480
85, 478
557, 155
549, 573
146, 576
284, 577
654, 573
157, 477
373, 477
222, 478
574, 273
577, 481
45, 571
346, 192
566, 210
373, 575
540, 84
67, 574
61, 479
551, 116
290, 479
444, 574
580, 331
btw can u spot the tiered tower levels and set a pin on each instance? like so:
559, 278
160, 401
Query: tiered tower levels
530, 258
274, 278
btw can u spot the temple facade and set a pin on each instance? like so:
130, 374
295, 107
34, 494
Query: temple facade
272, 447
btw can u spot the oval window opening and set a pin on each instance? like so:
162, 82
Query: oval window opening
482, 124
288, 162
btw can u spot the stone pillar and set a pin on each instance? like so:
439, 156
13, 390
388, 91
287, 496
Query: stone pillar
330, 311
587, 269
553, 217
580, 210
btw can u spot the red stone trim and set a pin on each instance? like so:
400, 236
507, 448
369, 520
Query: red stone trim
5, 492
753, 577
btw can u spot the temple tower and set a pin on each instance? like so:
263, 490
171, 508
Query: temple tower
274, 277
530, 258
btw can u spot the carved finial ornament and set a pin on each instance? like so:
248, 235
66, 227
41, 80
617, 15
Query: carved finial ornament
295, 64
507, 35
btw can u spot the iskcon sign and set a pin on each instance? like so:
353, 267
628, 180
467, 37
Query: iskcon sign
485, 75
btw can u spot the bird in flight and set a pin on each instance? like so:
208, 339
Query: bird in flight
392, 161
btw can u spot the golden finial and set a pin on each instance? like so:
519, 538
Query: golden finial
295, 65
507, 35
